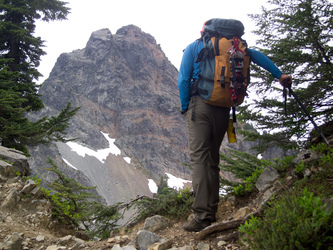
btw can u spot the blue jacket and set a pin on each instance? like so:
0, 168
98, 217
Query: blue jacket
190, 70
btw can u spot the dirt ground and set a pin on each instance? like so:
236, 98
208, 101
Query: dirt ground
33, 220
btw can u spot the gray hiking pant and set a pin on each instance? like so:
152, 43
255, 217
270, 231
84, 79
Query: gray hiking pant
206, 125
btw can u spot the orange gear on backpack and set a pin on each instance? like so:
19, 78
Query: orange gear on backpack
203, 27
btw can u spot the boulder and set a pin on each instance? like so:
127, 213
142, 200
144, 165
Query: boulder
267, 178
12, 161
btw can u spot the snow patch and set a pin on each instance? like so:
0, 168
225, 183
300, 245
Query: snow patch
99, 154
67, 162
128, 160
152, 186
175, 182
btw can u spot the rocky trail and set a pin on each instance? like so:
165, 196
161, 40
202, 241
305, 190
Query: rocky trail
26, 221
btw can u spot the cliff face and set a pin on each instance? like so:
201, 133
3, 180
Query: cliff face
126, 88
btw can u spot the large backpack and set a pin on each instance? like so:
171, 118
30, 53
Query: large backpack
225, 63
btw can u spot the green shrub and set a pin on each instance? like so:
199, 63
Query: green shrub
239, 190
301, 167
103, 220
35, 179
168, 202
241, 164
72, 203
326, 159
293, 222
281, 164
248, 184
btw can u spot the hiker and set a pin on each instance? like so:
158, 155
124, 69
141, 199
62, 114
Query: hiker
207, 125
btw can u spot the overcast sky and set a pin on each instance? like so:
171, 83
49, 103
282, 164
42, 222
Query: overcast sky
173, 23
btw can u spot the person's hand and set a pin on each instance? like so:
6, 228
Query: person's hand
285, 80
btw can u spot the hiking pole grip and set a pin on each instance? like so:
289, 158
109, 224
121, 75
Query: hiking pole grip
308, 114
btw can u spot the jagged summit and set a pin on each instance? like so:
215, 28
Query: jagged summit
102, 34
133, 32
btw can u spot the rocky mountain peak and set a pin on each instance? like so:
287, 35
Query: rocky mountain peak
127, 89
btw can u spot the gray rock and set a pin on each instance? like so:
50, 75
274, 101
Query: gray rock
40, 238
118, 247
156, 223
66, 240
203, 246
161, 245
221, 243
55, 247
36, 192
267, 178
265, 197
29, 186
242, 212
231, 201
6, 169
307, 172
10, 201
182, 248
13, 242
306, 155
145, 239
79, 244
15, 158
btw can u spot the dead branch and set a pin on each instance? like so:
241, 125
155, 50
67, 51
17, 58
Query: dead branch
218, 228
225, 225
232, 236
131, 203
232, 224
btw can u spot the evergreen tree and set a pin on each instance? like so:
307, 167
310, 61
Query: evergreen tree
163, 184
103, 220
72, 202
297, 37
241, 164
20, 54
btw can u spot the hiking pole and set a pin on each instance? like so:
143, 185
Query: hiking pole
291, 92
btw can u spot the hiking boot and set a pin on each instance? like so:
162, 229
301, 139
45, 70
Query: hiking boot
196, 226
